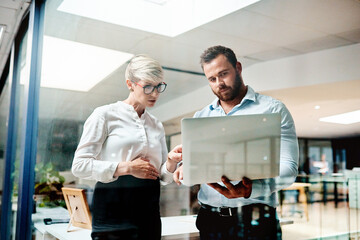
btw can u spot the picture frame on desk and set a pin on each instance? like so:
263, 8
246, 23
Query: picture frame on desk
78, 207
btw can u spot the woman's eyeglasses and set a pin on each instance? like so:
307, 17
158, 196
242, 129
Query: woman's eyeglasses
148, 89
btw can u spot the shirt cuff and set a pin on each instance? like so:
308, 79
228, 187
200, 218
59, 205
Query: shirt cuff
103, 171
259, 188
166, 176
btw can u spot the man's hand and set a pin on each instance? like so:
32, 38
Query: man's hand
178, 175
242, 189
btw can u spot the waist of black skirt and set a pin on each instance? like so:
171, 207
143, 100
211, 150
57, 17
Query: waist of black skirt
129, 181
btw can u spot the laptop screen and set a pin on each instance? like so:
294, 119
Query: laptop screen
235, 146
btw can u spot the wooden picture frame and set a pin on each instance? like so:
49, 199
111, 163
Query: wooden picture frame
78, 207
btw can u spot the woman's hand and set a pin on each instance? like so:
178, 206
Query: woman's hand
174, 157
139, 167
142, 168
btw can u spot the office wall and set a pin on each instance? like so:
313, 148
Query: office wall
351, 146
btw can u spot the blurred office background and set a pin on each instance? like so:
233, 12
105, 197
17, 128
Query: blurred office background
305, 53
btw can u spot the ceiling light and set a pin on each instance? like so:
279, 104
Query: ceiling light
169, 18
77, 66
2, 32
344, 118
317, 107
160, 2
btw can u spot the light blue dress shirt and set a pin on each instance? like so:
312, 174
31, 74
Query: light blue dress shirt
263, 190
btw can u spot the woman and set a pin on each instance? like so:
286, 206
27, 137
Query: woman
123, 147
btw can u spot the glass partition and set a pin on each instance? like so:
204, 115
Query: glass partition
21, 73
4, 106
83, 67
23, 67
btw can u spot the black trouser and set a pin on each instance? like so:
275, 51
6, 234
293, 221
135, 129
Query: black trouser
127, 208
255, 221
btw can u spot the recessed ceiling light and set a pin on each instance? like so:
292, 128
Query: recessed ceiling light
344, 118
169, 18
76, 66
317, 107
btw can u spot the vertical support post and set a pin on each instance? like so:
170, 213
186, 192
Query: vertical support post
10, 152
30, 124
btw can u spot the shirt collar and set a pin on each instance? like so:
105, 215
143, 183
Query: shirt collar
131, 109
215, 104
249, 96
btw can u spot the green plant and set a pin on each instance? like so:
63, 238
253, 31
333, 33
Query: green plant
15, 177
49, 183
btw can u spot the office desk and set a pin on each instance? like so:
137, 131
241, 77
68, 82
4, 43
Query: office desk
58, 231
171, 226
176, 227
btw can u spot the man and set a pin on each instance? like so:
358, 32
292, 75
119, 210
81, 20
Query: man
227, 208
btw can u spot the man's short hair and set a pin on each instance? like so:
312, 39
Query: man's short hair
142, 67
212, 52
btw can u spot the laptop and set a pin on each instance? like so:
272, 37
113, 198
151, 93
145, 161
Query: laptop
235, 146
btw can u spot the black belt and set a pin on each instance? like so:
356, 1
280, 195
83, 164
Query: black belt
222, 211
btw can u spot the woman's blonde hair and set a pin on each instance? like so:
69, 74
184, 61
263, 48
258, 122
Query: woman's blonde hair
142, 67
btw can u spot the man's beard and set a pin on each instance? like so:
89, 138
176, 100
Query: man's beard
234, 91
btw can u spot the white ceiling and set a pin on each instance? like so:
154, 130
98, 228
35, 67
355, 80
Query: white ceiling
11, 13
261, 34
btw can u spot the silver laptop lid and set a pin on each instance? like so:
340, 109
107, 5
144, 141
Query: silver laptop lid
235, 146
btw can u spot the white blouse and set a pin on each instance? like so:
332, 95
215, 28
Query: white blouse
115, 133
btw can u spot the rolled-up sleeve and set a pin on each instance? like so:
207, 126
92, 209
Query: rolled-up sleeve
86, 163
166, 176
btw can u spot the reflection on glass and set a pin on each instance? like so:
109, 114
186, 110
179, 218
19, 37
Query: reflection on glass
4, 110
63, 111
22, 72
